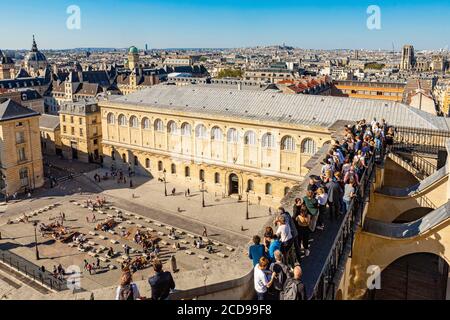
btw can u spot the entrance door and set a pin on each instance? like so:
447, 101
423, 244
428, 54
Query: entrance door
74, 148
234, 184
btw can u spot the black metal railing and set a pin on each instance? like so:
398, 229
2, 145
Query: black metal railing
420, 140
325, 287
32, 271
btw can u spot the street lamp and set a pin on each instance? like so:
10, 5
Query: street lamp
203, 193
246, 214
165, 183
35, 240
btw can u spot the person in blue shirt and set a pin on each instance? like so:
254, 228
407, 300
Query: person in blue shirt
256, 251
275, 244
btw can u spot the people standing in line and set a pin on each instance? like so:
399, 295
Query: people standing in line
322, 199
312, 205
349, 193
256, 250
294, 289
293, 229
282, 273
274, 244
334, 198
304, 221
284, 233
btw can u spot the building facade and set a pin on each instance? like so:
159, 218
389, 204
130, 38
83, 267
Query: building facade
20, 148
230, 155
369, 90
81, 132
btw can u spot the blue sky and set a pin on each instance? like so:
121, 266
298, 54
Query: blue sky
227, 23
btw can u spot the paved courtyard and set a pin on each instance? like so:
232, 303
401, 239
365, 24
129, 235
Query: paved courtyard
18, 238
224, 213
147, 208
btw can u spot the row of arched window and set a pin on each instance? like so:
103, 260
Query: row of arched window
308, 145
173, 170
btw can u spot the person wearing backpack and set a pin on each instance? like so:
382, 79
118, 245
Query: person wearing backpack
127, 290
282, 273
294, 289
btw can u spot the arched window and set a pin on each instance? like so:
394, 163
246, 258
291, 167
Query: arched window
250, 138
186, 129
124, 157
286, 190
216, 177
160, 166
187, 171
232, 136
308, 146
145, 124
134, 122
159, 126
173, 168
201, 175
23, 174
268, 140
268, 189
122, 120
111, 119
147, 163
136, 161
172, 127
288, 143
200, 131
216, 134
250, 185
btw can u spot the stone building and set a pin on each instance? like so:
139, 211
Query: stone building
81, 132
20, 148
29, 98
392, 91
233, 140
50, 134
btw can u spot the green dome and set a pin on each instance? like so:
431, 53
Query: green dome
133, 49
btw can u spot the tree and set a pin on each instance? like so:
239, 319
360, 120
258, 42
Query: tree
230, 73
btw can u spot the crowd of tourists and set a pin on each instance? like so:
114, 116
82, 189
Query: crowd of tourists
277, 258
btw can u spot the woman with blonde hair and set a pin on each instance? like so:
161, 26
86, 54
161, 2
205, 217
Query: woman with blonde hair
127, 290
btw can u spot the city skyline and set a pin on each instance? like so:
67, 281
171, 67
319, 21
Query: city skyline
228, 24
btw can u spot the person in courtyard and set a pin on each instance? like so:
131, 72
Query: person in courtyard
256, 250
161, 283
127, 290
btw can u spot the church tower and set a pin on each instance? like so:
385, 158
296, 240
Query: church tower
133, 58
6, 66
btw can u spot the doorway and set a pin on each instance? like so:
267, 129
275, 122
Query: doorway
234, 184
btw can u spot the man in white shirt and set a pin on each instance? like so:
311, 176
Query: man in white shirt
260, 277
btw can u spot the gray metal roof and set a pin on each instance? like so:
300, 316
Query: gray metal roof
10, 110
48, 121
278, 107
